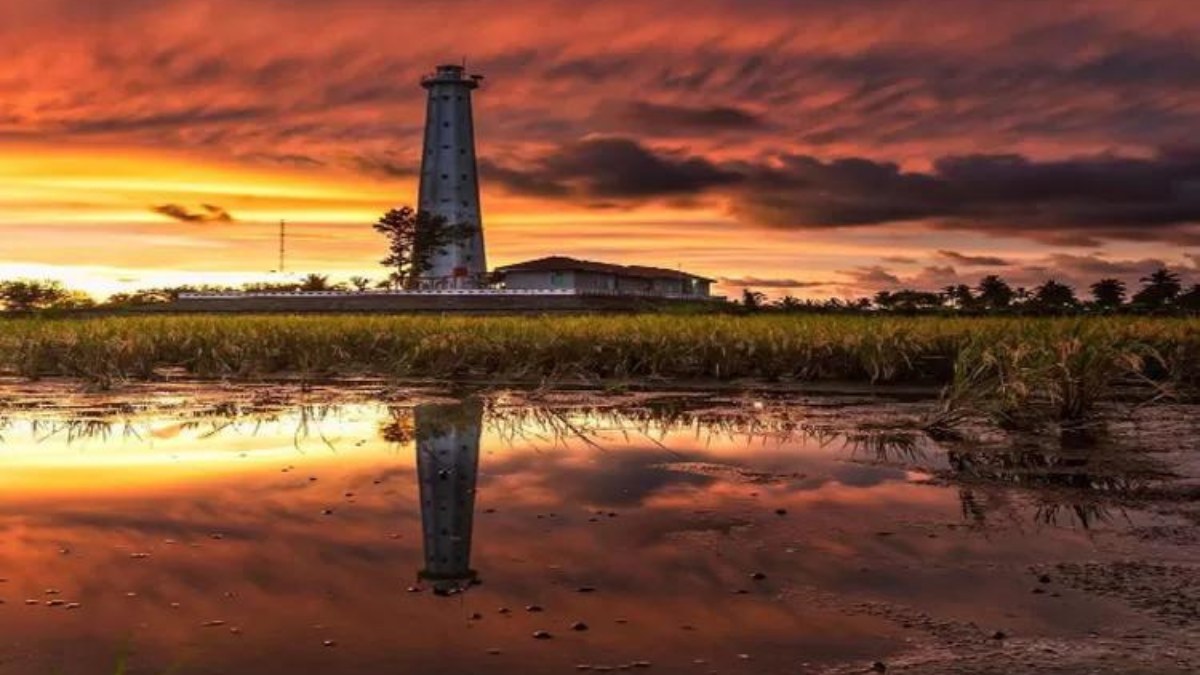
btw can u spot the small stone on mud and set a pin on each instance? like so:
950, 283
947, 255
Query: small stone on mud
475, 616
494, 652
1038, 591
234, 630
139, 556
73, 605
327, 512
641, 664
504, 610
1044, 579
54, 603
586, 589
758, 576
413, 589
999, 635
879, 667
533, 608
33, 602
579, 626
781, 512
214, 623
329, 643
541, 635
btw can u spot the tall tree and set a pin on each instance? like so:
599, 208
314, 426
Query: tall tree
315, 282
1158, 290
414, 238
1190, 301
26, 295
995, 293
753, 300
960, 296
1108, 293
1053, 296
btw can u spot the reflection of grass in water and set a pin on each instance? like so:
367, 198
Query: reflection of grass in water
591, 348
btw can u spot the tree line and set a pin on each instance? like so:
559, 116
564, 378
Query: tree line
1161, 292
413, 239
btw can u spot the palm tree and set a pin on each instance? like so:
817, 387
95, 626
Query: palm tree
752, 300
788, 304
995, 293
1054, 296
315, 282
1108, 293
1159, 289
360, 284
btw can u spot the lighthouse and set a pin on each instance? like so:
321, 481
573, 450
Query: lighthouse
450, 178
447, 463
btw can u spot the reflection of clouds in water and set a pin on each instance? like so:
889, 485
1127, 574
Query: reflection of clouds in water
617, 479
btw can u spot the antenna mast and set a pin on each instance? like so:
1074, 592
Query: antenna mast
282, 244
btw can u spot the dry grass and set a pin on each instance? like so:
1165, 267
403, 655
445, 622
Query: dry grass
1065, 364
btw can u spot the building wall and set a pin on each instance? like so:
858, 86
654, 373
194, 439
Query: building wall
598, 281
539, 281
595, 281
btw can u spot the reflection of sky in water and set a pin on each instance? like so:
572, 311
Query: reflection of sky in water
306, 526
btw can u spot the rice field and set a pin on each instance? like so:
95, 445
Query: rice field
1069, 356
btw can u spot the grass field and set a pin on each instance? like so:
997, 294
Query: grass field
791, 347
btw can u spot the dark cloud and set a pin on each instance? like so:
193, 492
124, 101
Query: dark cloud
973, 260
758, 282
385, 166
188, 118
614, 168
1067, 202
208, 213
662, 118
873, 277
899, 260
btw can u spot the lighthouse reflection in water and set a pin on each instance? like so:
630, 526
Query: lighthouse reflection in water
447, 465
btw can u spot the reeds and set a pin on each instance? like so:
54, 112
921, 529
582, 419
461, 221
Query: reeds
1067, 364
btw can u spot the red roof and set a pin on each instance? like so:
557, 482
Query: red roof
558, 263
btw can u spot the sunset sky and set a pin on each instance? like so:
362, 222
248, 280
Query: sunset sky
817, 147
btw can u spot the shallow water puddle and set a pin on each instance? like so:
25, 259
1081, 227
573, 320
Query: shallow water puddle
465, 536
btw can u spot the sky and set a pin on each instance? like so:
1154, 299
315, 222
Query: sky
819, 148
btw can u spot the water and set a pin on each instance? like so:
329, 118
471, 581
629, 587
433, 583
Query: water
257, 533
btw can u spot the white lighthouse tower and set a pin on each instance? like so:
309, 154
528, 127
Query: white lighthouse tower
447, 464
450, 179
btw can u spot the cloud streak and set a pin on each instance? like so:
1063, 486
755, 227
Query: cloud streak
208, 213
